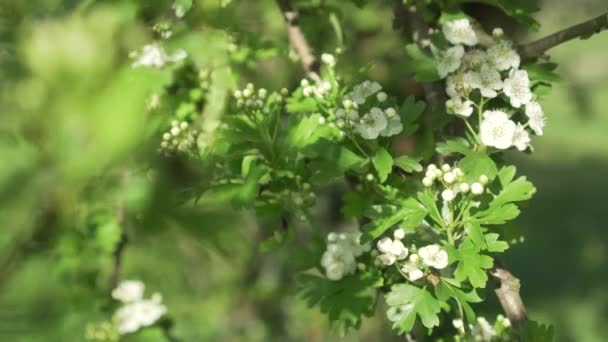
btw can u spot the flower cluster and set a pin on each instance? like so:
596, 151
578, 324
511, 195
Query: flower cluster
136, 312
376, 121
339, 259
154, 56
179, 138
452, 180
393, 250
476, 75
483, 331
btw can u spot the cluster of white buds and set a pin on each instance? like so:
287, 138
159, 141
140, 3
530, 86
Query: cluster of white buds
136, 311
452, 180
493, 71
317, 89
155, 56
179, 138
392, 250
342, 251
483, 331
250, 99
378, 120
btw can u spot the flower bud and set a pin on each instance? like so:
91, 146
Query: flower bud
448, 195
381, 96
477, 188
399, 234
238, 94
304, 83
369, 177
426, 181
483, 179
464, 187
497, 32
449, 177
445, 168
262, 93
348, 104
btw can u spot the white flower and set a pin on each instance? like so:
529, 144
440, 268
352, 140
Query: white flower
489, 81
459, 325
458, 107
335, 271
449, 60
411, 268
393, 125
399, 250
372, 124
328, 59
521, 138
483, 331
456, 85
460, 32
384, 245
503, 56
497, 129
381, 96
339, 259
136, 315
399, 234
387, 259
474, 59
392, 250
449, 177
361, 91
476, 188
434, 256
464, 187
129, 291
517, 88
497, 32
537, 117
426, 181
153, 55
448, 195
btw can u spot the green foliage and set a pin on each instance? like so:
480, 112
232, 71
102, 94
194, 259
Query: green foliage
472, 265
415, 303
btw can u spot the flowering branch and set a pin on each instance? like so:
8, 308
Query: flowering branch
298, 40
585, 29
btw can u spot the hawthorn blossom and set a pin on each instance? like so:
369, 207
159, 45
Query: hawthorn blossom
461, 108
503, 56
372, 124
536, 117
136, 315
393, 125
521, 138
456, 85
449, 60
460, 32
412, 269
328, 59
474, 59
517, 88
496, 129
392, 250
129, 291
489, 81
363, 90
339, 259
434, 256
153, 55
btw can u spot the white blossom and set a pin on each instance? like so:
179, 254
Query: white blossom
363, 90
517, 88
448, 195
392, 250
136, 315
129, 291
521, 138
449, 60
340, 256
381, 96
477, 188
460, 32
503, 56
427, 181
497, 129
483, 331
399, 234
536, 117
153, 55
458, 107
393, 125
459, 325
474, 59
411, 268
328, 59
372, 124
434, 256
456, 85
464, 187
489, 81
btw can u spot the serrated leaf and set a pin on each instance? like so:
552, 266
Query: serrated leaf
383, 163
301, 105
445, 290
346, 302
472, 264
429, 203
455, 145
418, 302
519, 190
506, 175
355, 204
474, 231
410, 214
543, 72
408, 164
495, 245
422, 65
476, 164
497, 215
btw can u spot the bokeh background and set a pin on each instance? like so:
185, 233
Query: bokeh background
217, 286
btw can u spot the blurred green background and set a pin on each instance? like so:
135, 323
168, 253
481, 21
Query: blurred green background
217, 286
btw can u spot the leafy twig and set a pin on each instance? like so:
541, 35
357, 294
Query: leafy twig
298, 40
584, 29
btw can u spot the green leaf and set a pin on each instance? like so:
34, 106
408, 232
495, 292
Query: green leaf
472, 264
418, 302
497, 215
454, 145
474, 231
305, 133
495, 245
108, 235
410, 213
345, 302
519, 190
301, 105
409, 112
445, 291
408, 164
354, 204
383, 162
425, 198
506, 175
476, 164
538, 332
279, 239
422, 65
543, 72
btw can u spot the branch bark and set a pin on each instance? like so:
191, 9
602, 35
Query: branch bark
507, 291
298, 40
584, 29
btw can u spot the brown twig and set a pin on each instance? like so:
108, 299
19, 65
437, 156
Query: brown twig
507, 291
584, 29
298, 40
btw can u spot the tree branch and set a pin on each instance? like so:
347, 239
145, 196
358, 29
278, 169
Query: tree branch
298, 41
587, 28
507, 291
